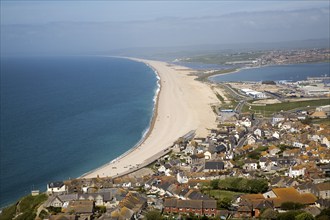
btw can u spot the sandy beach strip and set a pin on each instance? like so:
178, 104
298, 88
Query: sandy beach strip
183, 104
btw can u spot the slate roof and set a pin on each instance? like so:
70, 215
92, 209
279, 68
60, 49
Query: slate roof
194, 204
214, 165
196, 195
57, 184
105, 196
80, 207
210, 204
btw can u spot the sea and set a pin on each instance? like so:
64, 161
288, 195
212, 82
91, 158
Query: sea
293, 72
64, 116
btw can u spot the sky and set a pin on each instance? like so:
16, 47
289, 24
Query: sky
34, 26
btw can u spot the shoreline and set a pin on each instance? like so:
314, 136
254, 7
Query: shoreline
163, 130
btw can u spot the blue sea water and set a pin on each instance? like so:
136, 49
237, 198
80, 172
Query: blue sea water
64, 116
294, 72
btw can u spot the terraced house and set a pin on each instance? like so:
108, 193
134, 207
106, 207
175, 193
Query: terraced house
198, 207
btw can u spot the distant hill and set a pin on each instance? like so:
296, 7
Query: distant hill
170, 53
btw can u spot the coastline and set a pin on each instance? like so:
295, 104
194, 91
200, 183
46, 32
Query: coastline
163, 130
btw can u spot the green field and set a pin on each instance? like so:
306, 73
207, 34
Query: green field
223, 194
268, 110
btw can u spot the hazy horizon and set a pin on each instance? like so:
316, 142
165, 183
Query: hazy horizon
81, 26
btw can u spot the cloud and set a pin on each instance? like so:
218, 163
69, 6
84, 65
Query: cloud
262, 26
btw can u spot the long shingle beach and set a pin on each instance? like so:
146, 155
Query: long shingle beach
183, 104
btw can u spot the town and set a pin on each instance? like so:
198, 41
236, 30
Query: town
268, 158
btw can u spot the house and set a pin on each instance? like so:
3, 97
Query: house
289, 194
286, 161
276, 135
298, 144
321, 190
251, 139
130, 207
305, 187
197, 207
228, 164
296, 171
100, 199
122, 213
207, 155
320, 114
291, 152
190, 150
59, 200
214, 166
277, 118
243, 212
194, 194
322, 203
273, 150
56, 188
246, 122
85, 208
325, 142
181, 178
250, 165
258, 132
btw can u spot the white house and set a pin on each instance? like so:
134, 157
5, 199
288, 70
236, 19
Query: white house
277, 118
189, 150
298, 144
181, 178
296, 171
251, 139
207, 155
258, 132
250, 165
325, 141
56, 188
246, 122
276, 135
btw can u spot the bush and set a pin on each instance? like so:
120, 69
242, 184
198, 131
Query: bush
324, 215
269, 214
244, 185
153, 215
291, 215
305, 216
8, 213
291, 206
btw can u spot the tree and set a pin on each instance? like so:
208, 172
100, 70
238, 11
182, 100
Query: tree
214, 184
291, 206
269, 214
305, 216
324, 215
153, 215
224, 203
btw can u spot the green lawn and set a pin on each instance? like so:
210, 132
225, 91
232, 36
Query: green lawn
222, 194
285, 106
